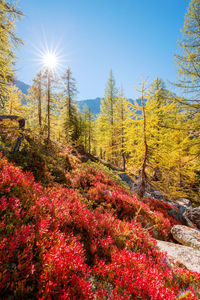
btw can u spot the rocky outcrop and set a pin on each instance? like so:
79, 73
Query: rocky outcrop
181, 208
184, 202
186, 236
150, 191
181, 255
126, 178
189, 223
193, 214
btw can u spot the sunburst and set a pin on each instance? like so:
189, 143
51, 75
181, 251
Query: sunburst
49, 55
50, 61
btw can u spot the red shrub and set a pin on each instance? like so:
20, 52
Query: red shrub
93, 241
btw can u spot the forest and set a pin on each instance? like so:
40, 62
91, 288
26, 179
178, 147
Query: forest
157, 133
70, 227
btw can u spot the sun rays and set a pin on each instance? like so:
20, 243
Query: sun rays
49, 54
50, 61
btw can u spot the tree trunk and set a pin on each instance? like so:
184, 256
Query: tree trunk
40, 106
89, 132
143, 172
122, 132
48, 105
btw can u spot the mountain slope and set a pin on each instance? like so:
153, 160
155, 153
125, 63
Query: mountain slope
92, 104
22, 86
87, 238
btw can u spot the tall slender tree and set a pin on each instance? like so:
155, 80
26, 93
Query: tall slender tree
188, 60
121, 114
13, 105
8, 44
37, 86
160, 97
35, 99
87, 130
108, 112
145, 141
71, 119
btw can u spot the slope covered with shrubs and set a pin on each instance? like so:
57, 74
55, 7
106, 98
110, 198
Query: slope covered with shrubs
89, 239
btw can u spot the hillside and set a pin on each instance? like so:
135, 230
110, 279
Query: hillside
99, 198
76, 231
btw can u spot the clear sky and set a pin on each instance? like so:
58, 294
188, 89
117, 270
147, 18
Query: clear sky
134, 38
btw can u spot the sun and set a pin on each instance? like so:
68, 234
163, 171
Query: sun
49, 58
50, 61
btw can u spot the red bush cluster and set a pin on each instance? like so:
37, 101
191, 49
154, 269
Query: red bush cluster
92, 240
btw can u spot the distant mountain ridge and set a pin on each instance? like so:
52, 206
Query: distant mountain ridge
22, 86
92, 104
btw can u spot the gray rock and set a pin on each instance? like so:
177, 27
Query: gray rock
183, 202
186, 236
189, 223
126, 178
135, 184
187, 256
157, 195
193, 214
150, 192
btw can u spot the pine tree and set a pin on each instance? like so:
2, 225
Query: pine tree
108, 114
147, 138
50, 86
36, 101
160, 98
13, 106
188, 60
38, 93
71, 117
161, 147
102, 137
48, 94
120, 108
87, 130
145, 143
8, 44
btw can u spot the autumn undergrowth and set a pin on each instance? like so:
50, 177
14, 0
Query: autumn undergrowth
89, 238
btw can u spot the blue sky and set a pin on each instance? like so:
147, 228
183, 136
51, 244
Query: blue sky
133, 37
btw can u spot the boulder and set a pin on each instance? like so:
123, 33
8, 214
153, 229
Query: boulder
193, 214
126, 178
150, 192
157, 195
184, 202
186, 236
189, 223
136, 184
181, 255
